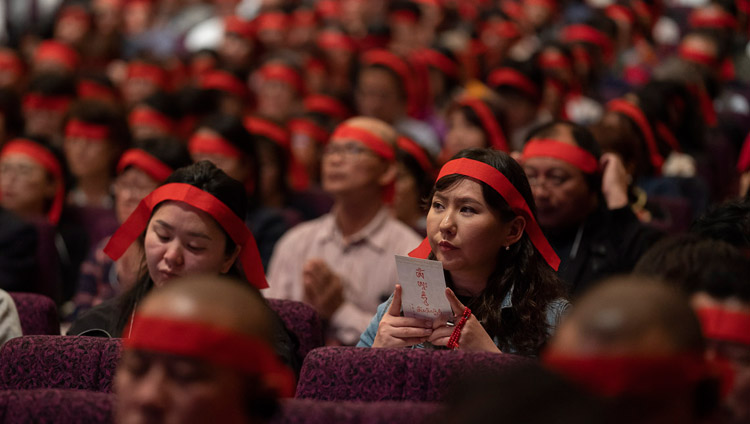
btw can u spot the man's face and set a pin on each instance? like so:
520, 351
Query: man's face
377, 95
349, 166
162, 388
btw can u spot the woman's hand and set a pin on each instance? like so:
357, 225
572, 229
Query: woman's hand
397, 331
473, 336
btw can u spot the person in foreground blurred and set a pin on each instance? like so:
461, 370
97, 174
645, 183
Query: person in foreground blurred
201, 351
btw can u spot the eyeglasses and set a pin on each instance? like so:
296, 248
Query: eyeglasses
350, 150
18, 170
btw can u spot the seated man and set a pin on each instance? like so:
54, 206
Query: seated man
343, 262
200, 351
636, 342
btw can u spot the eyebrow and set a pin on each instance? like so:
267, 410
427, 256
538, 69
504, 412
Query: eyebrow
465, 199
189, 233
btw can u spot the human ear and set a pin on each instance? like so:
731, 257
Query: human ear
229, 261
389, 175
516, 227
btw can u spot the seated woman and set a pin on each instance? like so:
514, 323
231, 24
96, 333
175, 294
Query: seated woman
192, 224
481, 225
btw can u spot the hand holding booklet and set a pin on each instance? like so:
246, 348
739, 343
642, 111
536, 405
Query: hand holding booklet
423, 289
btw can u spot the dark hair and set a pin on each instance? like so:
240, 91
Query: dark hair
53, 84
424, 180
530, 70
471, 116
101, 113
729, 222
583, 138
10, 108
395, 78
207, 177
522, 269
163, 103
168, 150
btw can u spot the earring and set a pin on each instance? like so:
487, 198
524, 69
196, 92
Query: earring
507, 247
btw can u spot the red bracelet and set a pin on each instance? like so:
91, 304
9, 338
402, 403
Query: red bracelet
453, 341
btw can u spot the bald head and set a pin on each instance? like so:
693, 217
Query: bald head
375, 126
214, 300
631, 315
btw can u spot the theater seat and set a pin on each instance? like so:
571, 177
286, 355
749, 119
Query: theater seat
298, 411
59, 362
60, 406
348, 373
37, 312
302, 320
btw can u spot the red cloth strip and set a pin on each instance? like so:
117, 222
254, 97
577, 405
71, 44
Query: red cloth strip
155, 74
55, 51
497, 139
373, 142
700, 19
706, 104
569, 153
743, 163
412, 148
50, 163
618, 12
511, 77
500, 183
144, 161
213, 344
668, 136
440, 61
639, 118
724, 325
11, 62
152, 118
326, 105
223, 81
204, 143
400, 68
697, 56
581, 55
235, 25
54, 103
274, 21
554, 60
585, 34
311, 129
89, 131
266, 128
193, 196
503, 29
632, 375
335, 40
283, 73
94, 90
403, 16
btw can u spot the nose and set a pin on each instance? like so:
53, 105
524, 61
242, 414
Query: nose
150, 391
173, 256
447, 224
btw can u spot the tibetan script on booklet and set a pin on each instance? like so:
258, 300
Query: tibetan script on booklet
423, 288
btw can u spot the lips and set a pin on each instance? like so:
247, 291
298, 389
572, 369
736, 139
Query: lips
446, 246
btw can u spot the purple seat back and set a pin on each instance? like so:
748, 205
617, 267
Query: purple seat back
59, 362
349, 373
38, 314
302, 320
58, 406
309, 411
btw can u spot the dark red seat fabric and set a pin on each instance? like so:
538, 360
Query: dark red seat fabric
59, 406
59, 362
348, 373
38, 314
302, 320
298, 411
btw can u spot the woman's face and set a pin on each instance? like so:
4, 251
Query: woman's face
25, 186
88, 158
183, 240
462, 134
130, 188
464, 232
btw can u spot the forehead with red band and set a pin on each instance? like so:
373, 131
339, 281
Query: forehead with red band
512, 78
144, 161
568, 153
233, 225
500, 183
263, 127
586, 34
216, 345
373, 142
497, 139
79, 129
283, 73
213, 144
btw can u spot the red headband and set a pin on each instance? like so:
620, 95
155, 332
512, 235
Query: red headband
706, 104
721, 324
304, 18
313, 130
235, 25
440, 61
144, 161
585, 34
668, 136
697, 56
503, 29
511, 77
87, 89
283, 73
326, 105
400, 68
743, 163
631, 375
11, 62
373, 142
217, 345
273, 21
639, 118
403, 16
500, 183
148, 72
618, 12
554, 60
334, 40
152, 118
50, 163
489, 123
223, 81
266, 128
93, 132
54, 51
569, 153
193, 196
414, 150
213, 144
701, 19
40, 101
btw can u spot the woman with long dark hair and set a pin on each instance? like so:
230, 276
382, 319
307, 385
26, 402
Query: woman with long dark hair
499, 268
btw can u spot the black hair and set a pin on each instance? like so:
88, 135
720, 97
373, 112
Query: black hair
53, 84
207, 177
527, 68
10, 108
521, 269
729, 222
102, 113
163, 103
423, 178
471, 116
671, 103
168, 150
